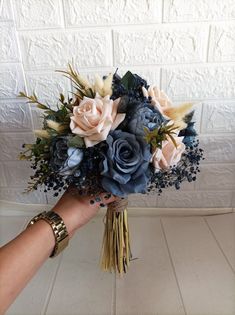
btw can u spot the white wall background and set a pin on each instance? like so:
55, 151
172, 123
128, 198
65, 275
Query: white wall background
185, 47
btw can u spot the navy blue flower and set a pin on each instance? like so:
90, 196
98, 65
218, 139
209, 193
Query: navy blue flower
139, 114
125, 168
65, 160
189, 134
144, 116
129, 85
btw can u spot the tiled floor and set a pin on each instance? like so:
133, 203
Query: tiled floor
184, 265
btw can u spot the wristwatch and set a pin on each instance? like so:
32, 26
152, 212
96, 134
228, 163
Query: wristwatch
58, 227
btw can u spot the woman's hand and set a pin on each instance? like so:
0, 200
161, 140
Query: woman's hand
77, 210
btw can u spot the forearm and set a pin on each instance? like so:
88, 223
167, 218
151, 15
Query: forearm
23, 256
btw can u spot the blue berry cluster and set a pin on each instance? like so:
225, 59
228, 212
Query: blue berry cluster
185, 170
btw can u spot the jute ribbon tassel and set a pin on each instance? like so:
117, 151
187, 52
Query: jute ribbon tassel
116, 253
118, 205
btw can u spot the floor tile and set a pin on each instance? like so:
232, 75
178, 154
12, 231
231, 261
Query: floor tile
205, 278
223, 229
10, 226
32, 299
81, 287
150, 286
197, 276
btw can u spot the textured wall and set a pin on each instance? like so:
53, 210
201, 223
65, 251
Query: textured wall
185, 47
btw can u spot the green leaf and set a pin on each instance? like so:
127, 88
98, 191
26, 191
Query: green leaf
50, 113
76, 142
32, 99
61, 98
61, 114
173, 140
146, 130
22, 94
128, 80
41, 106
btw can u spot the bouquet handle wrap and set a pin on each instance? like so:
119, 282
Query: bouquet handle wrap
116, 252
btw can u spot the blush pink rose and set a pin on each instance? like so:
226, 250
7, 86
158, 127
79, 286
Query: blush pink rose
169, 155
93, 118
159, 99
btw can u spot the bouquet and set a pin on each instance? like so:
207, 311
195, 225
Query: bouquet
116, 135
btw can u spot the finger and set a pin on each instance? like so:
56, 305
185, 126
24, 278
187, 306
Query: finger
102, 199
107, 198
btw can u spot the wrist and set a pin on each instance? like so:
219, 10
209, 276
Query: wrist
58, 227
77, 210
68, 217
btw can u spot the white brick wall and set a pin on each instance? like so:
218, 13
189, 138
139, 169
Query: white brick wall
200, 10
12, 80
52, 49
185, 47
164, 44
199, 82
33, 14
47, 86
96, 12
222, 42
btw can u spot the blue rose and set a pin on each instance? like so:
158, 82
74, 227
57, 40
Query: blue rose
144, 115
65, 160
125, 168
